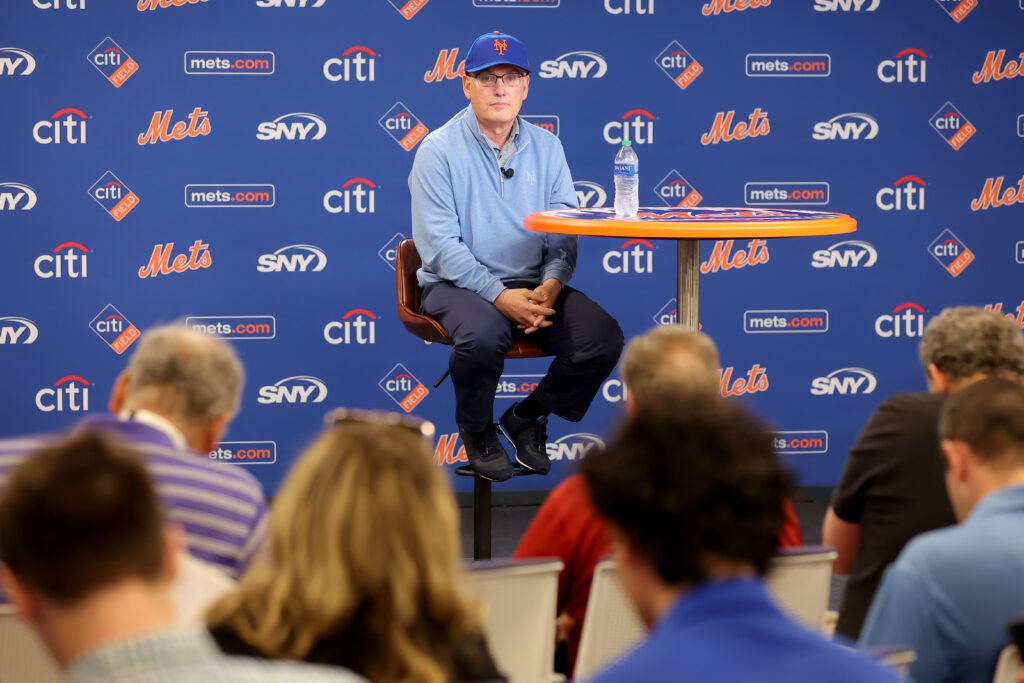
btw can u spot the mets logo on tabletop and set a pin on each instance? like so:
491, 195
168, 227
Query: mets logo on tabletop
408, 8
113, 62
904, 67
114, 329
12, 194
72, 264
678, 64
958, 9
69, 130
950, 252
70, 393
357, 63
403, 388
358, 326
636, 125
14, 327
356, 195
952, 125
114, 196
675, 190
12, 59
403, 126
294, 126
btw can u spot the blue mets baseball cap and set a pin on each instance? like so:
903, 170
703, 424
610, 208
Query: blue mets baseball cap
492, 49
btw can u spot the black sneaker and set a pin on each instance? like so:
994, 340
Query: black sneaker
530, 438
486, 455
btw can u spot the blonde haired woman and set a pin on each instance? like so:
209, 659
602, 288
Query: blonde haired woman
362, 564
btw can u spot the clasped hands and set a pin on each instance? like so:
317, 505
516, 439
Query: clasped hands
530, 308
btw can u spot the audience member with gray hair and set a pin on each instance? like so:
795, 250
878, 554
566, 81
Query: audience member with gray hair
171, 406
892, 487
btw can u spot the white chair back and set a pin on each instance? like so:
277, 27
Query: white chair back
611, 627
23, 657
197, 585
1008, 666
800, 579
521, 598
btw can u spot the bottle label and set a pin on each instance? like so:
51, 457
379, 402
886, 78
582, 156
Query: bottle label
626, 170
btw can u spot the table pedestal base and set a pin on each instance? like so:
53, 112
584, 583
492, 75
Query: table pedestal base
688, 284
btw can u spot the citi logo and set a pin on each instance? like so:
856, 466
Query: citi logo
296, 126
290, 3
846, 5
723, 130
909, 65
992, 195
358, 326
445, 68
994, 70
629, 6
73, 263
16, 62
162, 263
719, 6
906, 320
846, 127
640, 257
356, 195
845, 254
67, 129
17, 330
69, 393
907, 193
590, 195
144, 5
723, 258
161, 130
636, 125
577, 64
573, 446
355, 64
844, 381
755, 380
297, 389
300, 258
16, 196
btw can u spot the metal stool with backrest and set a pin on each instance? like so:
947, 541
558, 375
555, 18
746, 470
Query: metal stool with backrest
409, 292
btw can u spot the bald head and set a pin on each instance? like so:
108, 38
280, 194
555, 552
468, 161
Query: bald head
669, 360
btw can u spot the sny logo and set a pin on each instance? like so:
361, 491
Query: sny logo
70, 392
950, 252
160, 263
293, 258
952, 125
844, 381
355, 64
845, 254
719, 6
846, 5
618, 260
114, 196
403, 126
675, 190
573, 446
906, 320
295, 126
958, 9
631, 127
389, 252
630, 6
906, 66
12, 58
67, 130
403, 388
722, 257
160, 129
408, 8
852, 126
358, 326
12, 197
906, 193
71, 264
297, 389
993, 195
13, 328
357, 194
290, 3
590, 195
577, 64
114, 63
114, 329
722, 130
678, 64
445, 68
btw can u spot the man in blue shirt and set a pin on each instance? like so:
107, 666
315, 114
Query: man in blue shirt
951, 592
693, 495
487, 279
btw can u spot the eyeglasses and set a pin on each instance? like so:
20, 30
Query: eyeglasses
424, 428
487, 79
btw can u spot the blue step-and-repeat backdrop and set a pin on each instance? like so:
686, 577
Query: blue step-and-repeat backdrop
240, 166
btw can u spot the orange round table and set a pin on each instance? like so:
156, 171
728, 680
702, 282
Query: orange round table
688, 226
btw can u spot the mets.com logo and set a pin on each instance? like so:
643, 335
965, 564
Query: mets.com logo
234, 326
844, 381
800, 320
403, 388
787, 193
795, 442
814, 65
517, 386
114, 329
246, 452
227, 63
297, 389
112, 62
17, 330
231, 195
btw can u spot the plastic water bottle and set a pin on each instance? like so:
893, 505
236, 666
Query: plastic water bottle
627, 179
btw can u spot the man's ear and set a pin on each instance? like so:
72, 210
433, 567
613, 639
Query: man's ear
956, 454
118, 392
19, 595
465, 85
938, 381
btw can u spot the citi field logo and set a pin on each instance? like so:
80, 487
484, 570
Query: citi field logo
723, 130
845, 254
958, 9
357, 195
724, 6
144, 5
759, 65
164, 261
906, 194
290, 3
229, 63
358, 63
851, 126
114, 329
998, 308
906, 320
358, 326
950, 252
16, 196
992, 194
295, 258
781, 194
517, 386
802, 441
994, 70
590, 195
295, 126
113, 196
675, 190
73, 263
234, 326
629, 6
844, 381
69, 393
576, 64
63, 126
908, 66
161, 130
636, 125
246, 452
549, 122
678, 64
389, 252
403, 126
667, 314
723, 258
17, 330
634, 256
408, 8
16, 62
446, 68
953, 126
573, 447
403, 388
230, 196
846, 5
297, 389
754, 381
115, 64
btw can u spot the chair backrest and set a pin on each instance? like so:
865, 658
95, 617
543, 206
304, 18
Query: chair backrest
197, 585
521, 598
408, 292
800, 579
1009, 665
23, 657
612, 625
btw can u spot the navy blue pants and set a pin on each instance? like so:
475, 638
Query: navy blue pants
584, 339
